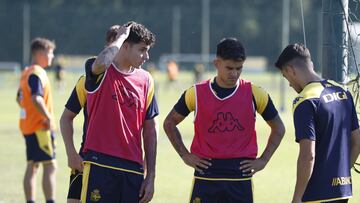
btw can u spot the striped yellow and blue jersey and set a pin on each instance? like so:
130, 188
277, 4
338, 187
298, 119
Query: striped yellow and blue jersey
324, 112
262, 102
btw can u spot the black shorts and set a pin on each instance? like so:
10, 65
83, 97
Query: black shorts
40, 146
209, 191
118, 182
222, 182
75, 185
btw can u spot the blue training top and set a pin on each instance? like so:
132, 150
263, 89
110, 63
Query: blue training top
324, 112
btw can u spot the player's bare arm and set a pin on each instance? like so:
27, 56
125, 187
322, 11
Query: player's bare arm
39, 103
107, 55
150, 143
173, 133
305, 166
18, 97
250, 167
355, 146
67, 132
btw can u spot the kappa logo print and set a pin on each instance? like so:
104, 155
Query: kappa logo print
125, 96
225, 122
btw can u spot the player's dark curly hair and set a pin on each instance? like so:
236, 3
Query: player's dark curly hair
292, 51
139, 33
231, 49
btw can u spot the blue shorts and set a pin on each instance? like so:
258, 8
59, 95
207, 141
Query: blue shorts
40, 146
222, 182
75, 185
110, 179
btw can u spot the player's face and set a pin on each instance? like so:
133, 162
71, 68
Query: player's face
138, 54
228, 71
45, 58
289, 74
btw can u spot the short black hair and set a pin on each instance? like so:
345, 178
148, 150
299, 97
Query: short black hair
139, 33
41, 44
291, 52
231, 48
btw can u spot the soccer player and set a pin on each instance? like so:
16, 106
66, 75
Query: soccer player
122, 109
75, 103
37, 120
224, 148
326, 128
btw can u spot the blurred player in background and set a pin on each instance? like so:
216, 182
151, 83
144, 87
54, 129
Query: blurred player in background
37, 120
224, 148
75, 103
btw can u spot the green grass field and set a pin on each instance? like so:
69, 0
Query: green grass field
274, 184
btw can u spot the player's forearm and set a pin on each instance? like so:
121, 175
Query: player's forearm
305, 166
150, 145
106, 56
39, 104
174, 136
355, 146
67, 132
18, 97
276, 135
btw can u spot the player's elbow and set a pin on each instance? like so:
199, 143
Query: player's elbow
168, 125
281, 130
277, 127
98, 68
36, 99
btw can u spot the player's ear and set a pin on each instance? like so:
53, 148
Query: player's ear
217, 62
125, 46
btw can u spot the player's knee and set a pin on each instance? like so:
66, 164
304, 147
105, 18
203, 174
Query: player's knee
50, 167
34, 166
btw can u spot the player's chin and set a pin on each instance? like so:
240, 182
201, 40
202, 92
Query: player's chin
139, 66
233, 80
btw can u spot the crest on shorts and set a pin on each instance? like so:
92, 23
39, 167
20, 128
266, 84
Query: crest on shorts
95, 195
196, 200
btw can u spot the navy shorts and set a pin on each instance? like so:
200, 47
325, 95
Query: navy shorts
110, 179
75, 185
40, 146
222, 182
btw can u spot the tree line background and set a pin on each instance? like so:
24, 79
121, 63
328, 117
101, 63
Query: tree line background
78, 26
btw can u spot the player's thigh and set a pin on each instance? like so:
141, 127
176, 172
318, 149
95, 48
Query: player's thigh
131, 187
100, 184
239, 191
206, 191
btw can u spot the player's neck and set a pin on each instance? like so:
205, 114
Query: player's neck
309, 78
122, 66
34, 62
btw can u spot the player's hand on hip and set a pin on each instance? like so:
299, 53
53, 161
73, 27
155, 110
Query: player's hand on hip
49, 124
196, 162
75, 162
147, 190
250, 167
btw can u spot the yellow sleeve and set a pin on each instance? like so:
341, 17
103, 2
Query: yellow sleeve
151, 91
261, 98
190, 98
41, 74
80, 90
